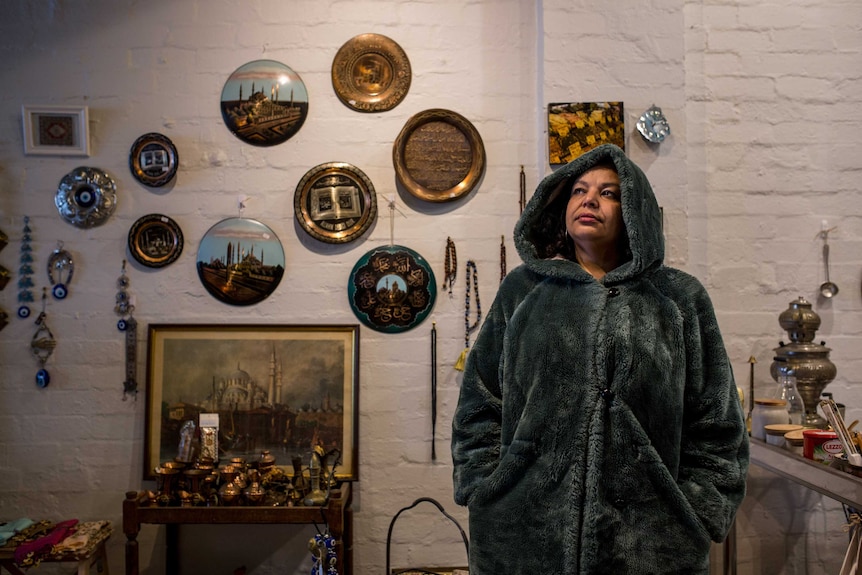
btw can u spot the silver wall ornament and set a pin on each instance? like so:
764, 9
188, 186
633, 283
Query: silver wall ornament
124, 308
653, 126
60, 270
42, 344
86, 197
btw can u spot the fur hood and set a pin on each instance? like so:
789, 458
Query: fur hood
598, 428
535, 231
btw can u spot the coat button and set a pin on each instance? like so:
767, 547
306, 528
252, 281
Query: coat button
613, 292
607, 394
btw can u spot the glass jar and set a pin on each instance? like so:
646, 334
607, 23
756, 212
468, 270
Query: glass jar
789, 393
766, 411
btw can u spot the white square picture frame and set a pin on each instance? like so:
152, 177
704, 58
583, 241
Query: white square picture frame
56, 130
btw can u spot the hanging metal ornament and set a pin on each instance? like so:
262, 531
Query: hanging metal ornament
124, 308
653, 125
25, 271
60, 270
86, 197
42, 344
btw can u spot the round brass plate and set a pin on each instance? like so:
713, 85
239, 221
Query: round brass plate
153, 159
371, 73
439, 156
155, 240
335, 202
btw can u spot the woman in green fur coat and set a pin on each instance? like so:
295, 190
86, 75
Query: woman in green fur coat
599, 428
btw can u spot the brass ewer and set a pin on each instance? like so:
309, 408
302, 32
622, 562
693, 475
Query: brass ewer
807, 360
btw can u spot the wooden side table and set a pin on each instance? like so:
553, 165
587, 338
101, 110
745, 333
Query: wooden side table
137, 510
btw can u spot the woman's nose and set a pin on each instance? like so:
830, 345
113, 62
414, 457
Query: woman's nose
591, 198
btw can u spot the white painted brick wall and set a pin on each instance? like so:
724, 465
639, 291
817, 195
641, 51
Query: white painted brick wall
765, 109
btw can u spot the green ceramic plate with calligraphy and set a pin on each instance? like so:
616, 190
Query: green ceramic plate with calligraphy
392, 289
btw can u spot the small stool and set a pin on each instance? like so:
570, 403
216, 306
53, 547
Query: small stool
93, 535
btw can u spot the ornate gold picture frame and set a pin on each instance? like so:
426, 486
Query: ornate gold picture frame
282, 388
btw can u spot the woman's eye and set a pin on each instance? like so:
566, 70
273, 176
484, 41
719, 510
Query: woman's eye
611, 194
578, 191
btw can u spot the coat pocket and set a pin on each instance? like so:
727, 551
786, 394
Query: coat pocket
514, 464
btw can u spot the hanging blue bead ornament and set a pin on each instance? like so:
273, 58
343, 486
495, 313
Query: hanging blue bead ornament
324, 559
60, 263
42, 344
43, 378
25, 294
124, 308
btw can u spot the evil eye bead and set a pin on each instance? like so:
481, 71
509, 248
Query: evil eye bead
24, 312
43, 378
59, 291
122, 325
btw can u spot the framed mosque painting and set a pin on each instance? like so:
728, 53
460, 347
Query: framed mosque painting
286, 389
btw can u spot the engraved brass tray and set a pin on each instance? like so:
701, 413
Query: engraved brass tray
335, 203
371, 73
439, 156
155, 241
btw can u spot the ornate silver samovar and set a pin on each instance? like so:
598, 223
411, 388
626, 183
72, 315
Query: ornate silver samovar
808, 361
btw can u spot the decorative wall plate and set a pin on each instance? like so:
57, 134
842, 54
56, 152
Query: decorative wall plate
335, 203
153, 160
439, 156
392, 289
155, 241
653, 126
371, 73
264, 103
86, 197
240, 261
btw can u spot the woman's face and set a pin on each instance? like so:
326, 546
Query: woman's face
594, 215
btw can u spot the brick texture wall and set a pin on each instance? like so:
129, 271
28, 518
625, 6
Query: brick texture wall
763, 101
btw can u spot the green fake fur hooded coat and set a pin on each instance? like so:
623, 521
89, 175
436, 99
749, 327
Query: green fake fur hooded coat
598, 428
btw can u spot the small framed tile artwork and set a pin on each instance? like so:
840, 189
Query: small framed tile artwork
56, 130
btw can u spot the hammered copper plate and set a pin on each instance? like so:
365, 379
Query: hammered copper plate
439, 156
371, 73
335, 202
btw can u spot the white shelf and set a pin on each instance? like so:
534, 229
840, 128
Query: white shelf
833, 483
